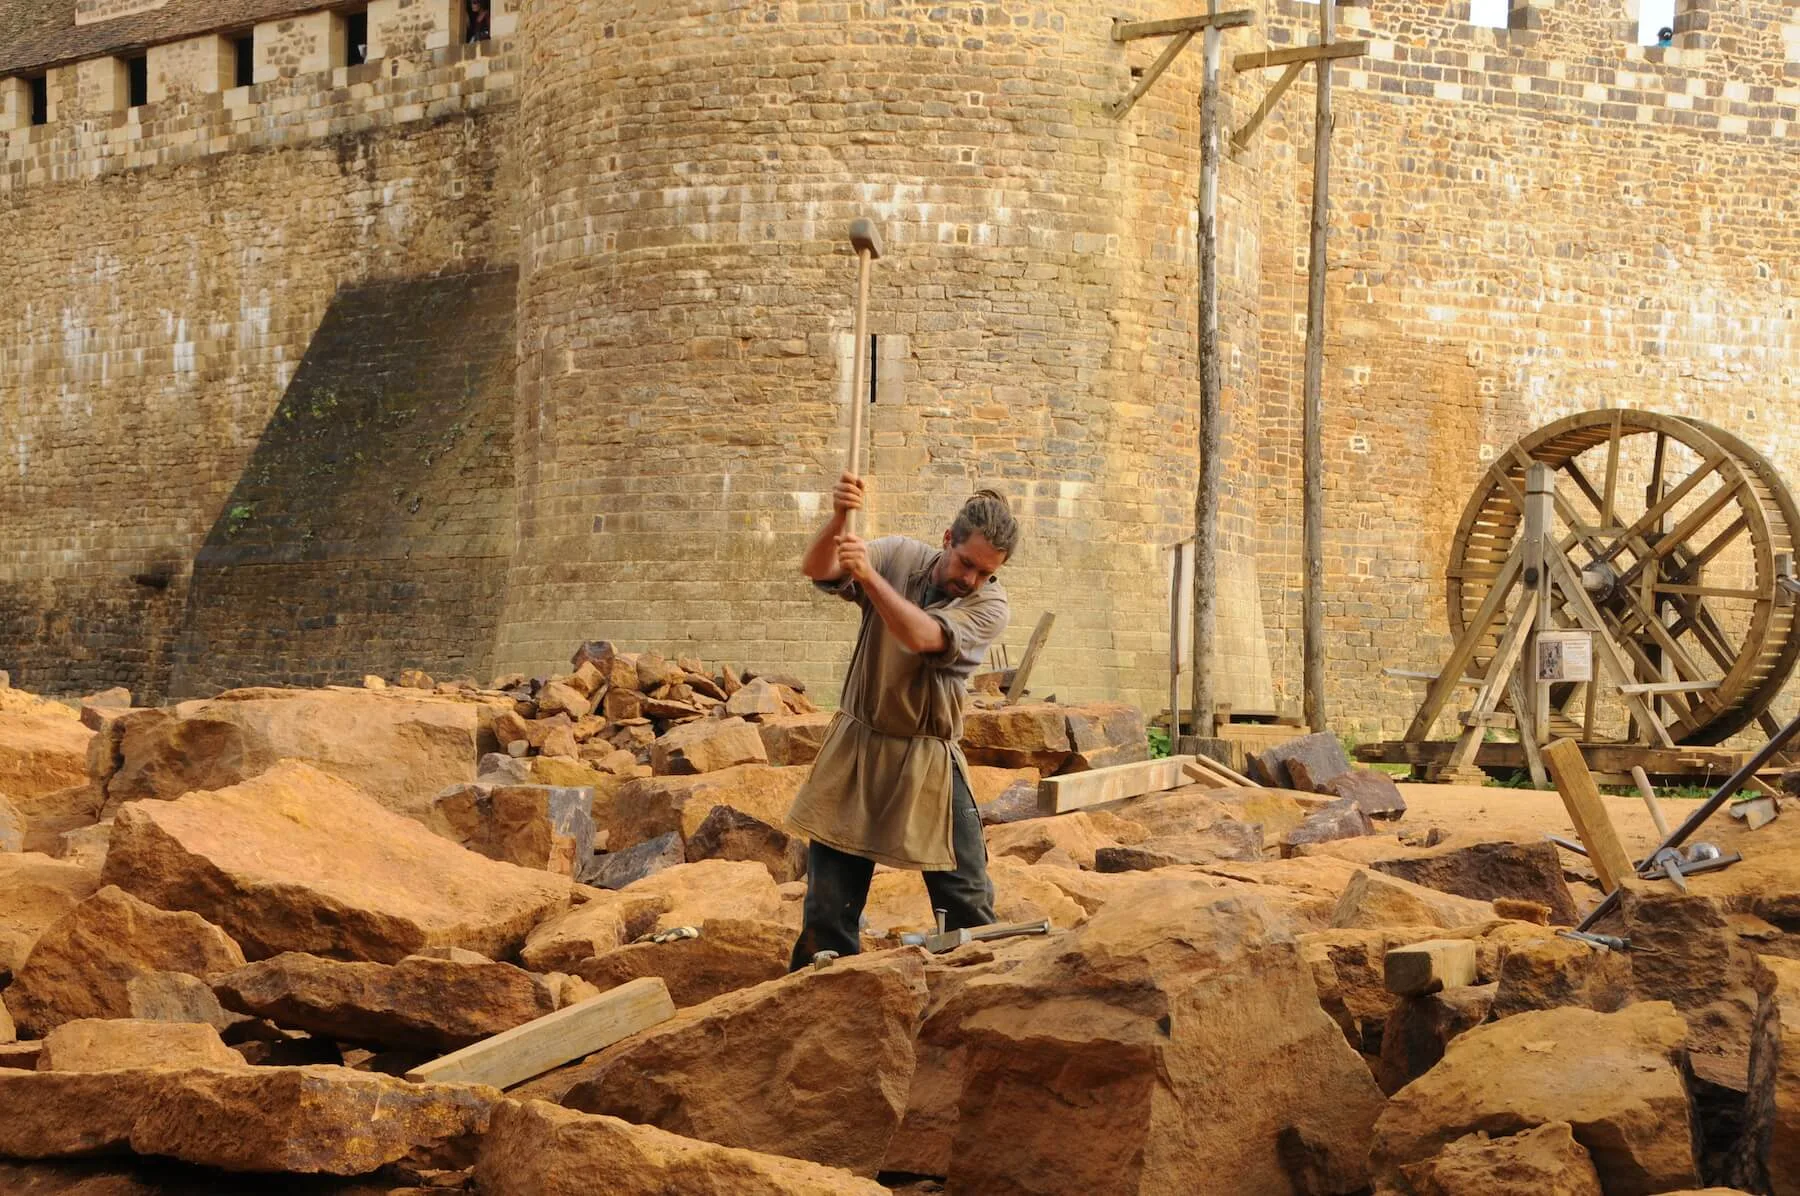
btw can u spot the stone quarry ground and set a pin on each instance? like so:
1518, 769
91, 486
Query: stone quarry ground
229, 928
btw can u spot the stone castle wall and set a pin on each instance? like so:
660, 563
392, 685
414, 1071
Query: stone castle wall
685, 311
165, 271
1526, 222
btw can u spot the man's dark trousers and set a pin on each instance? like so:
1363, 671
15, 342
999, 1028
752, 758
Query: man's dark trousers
837, 886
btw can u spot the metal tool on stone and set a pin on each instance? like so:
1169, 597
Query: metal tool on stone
949, 940
1676, 864
1693, 822
1605, 941
867, 244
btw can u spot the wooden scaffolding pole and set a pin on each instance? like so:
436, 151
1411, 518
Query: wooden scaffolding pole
1313, 415
1206, 496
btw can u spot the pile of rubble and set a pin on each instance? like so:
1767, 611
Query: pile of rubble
231, 929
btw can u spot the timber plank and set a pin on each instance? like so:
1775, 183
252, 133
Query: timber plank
1582, 798
1059, 795
518, 1054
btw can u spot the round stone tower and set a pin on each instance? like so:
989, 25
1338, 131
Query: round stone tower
686, 291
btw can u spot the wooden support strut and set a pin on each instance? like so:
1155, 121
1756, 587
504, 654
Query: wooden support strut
1126, 31
1257, 60
1039, 634
1181, 31
1582, 798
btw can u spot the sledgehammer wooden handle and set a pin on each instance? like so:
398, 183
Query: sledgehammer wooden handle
867, 243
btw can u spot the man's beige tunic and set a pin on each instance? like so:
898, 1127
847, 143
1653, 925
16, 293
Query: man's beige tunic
881, 786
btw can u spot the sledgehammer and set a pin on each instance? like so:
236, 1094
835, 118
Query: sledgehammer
867, 244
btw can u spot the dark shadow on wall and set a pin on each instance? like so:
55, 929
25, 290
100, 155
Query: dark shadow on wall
372, 528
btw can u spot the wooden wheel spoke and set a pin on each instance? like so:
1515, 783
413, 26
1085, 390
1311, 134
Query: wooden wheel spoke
1650, 518
1698, 518
1612, 469
1689, 567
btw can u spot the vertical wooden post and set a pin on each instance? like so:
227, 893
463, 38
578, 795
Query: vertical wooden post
1540, 502
1206, 497
1313, 415
1175, 648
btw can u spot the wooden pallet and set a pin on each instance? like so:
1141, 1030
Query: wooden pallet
1611, 763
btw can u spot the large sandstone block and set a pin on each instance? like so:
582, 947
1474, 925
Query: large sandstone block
1304, 763
1342, 819
1616, 1078
794, 738
815, 1065
535, 826
646, 807
1225, 840
81, 967
616, 869
923, 1143
297, 860
1772, 1113
1685, 950
1421, 1027
539, 1149
1069, 839
36, 891
90, 1044
1032, 735
707, 745
731, 953
729, 834
399, 749
1156, 1049
1374, 791
1546, 1161
311, 1120
1551, 971
1372, 900
1102, 734
685, 895
419, 1003
1525, 871
43, 748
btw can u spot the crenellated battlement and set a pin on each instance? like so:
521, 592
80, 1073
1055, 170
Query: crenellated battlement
308, 78
1734, 69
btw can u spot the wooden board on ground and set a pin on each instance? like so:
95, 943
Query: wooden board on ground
1059, 795
1588, 813
518, 1054
1676, 765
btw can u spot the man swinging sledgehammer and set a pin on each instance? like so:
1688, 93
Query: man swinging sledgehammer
890, 785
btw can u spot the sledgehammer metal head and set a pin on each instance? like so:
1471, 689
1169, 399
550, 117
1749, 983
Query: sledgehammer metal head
864, 238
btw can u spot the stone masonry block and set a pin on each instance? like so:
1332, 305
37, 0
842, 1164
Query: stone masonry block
102, 85
15, 104
197, 66
414, 28
299, 45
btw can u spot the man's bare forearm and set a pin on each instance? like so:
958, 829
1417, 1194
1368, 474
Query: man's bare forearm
821, 560
916, 630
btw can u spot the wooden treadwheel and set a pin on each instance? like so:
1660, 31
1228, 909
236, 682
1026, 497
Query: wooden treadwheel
1679, 529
